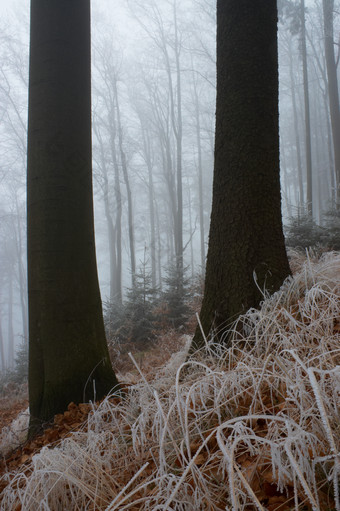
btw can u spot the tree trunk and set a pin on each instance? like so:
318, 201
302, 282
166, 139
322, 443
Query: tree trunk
10, 331
2, 350
68, 355
128, 187
309, 170
111, 233
191, 233
21, 279
119, 209
246, 251
287, 192
179, 136
331, 167
151, 195
296, 129
333, 92
200, 176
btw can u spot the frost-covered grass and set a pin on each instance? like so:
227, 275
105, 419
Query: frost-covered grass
256, 426
14, 435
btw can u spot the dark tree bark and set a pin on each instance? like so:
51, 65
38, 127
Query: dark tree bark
68, 356
333, 91
246, 226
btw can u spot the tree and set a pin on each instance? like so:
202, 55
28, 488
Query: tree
246, 252
333, 92
68, 355
13, 155
167, 38
309, 170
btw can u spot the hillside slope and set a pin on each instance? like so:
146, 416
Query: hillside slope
256, 426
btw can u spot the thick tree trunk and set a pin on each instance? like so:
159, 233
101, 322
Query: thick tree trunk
333, 91
246, 251
68, 356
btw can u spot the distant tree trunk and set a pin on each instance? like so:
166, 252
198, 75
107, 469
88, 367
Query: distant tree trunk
192, 262
322, 66
309, 170
21, 279
333, 91
10, 331
178, 130
2, 350
168, 173
114, 290
296, 129
128, 187
119, 209
331, 169
151, 195
68, 355
175, 99
159, 251
200, 176
246, 246
287, 193
318, 147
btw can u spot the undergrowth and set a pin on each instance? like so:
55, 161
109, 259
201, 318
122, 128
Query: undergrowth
256, 426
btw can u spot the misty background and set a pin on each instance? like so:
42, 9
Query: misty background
153, 102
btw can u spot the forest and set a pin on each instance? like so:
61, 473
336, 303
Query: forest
169, 255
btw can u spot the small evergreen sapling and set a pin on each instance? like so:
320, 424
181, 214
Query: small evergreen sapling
176, 296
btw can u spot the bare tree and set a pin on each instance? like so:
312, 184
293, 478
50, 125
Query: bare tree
333, 91
307, 112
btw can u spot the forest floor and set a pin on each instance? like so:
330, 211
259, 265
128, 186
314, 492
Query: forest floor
16, 453
10, 408
252, 427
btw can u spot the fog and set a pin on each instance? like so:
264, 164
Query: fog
153, 103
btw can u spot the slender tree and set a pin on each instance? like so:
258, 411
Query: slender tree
124, 165
246, 252
309, 171
333, 91
2, 348
68, 356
